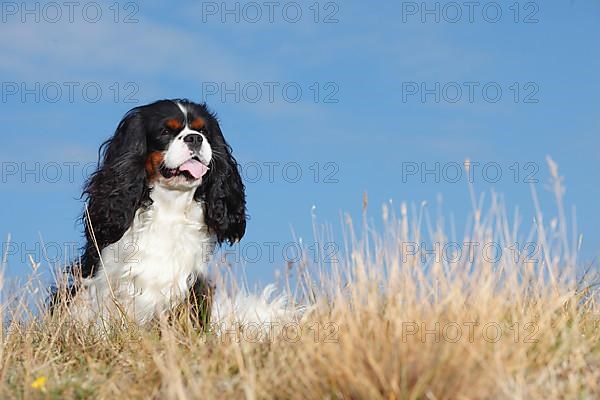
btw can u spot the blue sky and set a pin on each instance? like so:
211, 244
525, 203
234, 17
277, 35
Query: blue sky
352, 95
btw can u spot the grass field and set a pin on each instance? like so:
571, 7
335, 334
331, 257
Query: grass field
391, 320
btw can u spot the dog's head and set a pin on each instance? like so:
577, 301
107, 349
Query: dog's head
175, 144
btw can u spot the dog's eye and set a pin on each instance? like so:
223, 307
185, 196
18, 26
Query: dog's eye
166, 131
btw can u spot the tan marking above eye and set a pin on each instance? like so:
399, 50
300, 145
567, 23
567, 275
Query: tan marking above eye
174, 124
197, 124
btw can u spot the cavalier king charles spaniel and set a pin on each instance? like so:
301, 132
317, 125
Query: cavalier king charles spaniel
166, 193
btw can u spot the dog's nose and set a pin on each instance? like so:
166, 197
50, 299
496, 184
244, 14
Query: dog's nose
193, 139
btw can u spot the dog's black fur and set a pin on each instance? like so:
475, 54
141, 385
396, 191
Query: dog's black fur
120, 185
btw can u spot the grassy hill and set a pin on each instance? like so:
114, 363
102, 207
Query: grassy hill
405, 313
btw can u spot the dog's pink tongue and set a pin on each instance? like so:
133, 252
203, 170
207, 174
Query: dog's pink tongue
195, 168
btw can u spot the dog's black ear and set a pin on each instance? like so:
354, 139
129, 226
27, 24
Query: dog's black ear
224, 192
116, 190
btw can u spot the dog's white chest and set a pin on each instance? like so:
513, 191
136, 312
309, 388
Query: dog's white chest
151, 269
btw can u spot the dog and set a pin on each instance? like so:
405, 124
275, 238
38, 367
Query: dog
166, 193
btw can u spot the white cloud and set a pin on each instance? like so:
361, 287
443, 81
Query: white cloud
36, 51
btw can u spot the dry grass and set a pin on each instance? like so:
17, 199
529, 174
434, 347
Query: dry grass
384, 323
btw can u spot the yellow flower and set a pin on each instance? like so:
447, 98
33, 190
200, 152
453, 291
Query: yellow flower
39, 383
